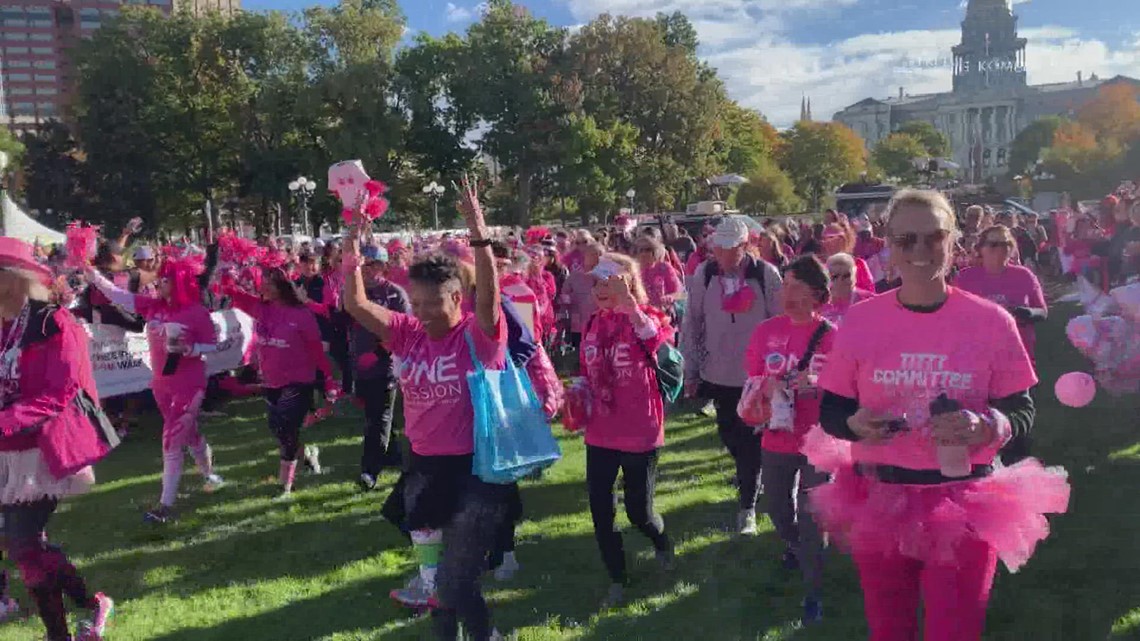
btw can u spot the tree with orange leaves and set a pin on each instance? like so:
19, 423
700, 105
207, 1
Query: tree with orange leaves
1113, 114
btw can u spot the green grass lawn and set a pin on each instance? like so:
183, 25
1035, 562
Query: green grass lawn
239, 567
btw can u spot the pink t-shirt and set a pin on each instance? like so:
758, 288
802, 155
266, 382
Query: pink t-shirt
897, 361
288, 342
775, 349
660, 280
197, 328
835, 309
439, 419
635, 420
1015, 286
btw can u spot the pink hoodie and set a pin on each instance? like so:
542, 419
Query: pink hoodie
54, 368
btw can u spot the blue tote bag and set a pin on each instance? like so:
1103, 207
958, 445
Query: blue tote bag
512, 436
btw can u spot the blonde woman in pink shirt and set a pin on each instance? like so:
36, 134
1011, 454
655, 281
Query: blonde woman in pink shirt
922, 388
844, 293
577, 293
626, 423
661, 281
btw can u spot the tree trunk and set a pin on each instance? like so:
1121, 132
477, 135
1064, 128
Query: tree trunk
522, 217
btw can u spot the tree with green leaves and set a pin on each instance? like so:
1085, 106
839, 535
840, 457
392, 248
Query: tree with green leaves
638, 71
745, 141
934, 142
769, 190
895, 155
53, 174
1028, 145
820, 156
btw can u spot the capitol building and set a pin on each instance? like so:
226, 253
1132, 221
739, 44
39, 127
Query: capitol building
990, 102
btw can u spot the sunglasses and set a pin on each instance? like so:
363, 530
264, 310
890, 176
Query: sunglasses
843, 276
999, 244
907, 242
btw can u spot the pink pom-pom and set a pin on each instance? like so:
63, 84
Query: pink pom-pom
376, 208
375, 188
1075, 389
366, 361
81, 243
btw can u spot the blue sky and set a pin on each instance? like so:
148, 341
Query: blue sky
772, 52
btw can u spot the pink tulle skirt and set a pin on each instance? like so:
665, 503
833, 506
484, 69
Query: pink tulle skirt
927, 522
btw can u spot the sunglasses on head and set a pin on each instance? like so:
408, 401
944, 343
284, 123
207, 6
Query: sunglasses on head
932, 240
999, 244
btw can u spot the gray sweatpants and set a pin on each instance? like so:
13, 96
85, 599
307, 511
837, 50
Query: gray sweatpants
795, 526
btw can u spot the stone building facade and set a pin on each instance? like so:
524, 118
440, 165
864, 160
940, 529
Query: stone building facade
991, 101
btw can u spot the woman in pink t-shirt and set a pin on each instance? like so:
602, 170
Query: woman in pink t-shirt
921, 389
180, 333
626, 423
660, 280
840, 238
1013, 287
292, 360
844, 293
441, 500
784, 357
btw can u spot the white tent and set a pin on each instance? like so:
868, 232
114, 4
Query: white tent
17, 224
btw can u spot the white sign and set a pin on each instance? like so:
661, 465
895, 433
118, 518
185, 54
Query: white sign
121, 359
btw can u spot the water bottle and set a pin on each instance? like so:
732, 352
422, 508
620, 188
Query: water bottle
953, 460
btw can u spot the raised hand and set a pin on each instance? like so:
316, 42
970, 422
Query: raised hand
469, 206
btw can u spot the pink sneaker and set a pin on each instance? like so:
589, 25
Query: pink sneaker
92, 629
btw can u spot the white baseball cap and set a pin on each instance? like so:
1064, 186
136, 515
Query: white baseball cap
730, 233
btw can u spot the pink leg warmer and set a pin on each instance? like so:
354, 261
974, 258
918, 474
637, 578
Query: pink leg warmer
171, 475
203, 457
288, 471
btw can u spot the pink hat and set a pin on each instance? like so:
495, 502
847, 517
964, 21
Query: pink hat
18, 254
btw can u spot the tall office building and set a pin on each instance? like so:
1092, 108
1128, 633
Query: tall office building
35, 37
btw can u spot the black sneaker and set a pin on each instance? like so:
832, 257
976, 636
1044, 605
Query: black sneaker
159, 514
367, 482
789, 560
813, 611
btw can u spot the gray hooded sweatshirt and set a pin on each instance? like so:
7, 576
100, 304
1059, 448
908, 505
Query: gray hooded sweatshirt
713, 341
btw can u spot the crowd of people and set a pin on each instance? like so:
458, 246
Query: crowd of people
872, 380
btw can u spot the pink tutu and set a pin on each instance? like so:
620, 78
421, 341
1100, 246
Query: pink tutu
926, 522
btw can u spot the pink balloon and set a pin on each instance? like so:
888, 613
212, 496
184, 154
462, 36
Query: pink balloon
1075, 389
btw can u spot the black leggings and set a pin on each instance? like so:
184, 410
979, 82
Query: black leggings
379, 396
468, 539
640, 473
287, 407
742, 444
45, 569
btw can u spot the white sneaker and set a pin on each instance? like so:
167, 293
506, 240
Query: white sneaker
312, 458
213, 483
746, 523
9, 610
507, 569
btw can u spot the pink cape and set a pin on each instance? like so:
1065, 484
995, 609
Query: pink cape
927, 522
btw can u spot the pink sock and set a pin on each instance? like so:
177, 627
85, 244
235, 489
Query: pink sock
171, 475
288, 471
204, 458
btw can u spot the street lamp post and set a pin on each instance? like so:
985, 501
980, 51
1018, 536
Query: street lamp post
630, 195
435, 192
302, 189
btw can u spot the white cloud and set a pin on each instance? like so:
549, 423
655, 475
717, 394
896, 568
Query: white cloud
456, 13
763, 68
772, 75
